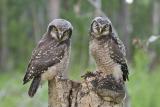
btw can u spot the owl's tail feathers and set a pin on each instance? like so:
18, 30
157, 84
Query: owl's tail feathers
34, 86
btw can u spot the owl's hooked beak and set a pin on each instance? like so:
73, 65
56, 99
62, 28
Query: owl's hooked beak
105, 30
60, 36
100, 29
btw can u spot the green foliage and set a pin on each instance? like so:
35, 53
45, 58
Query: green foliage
144, 85
141, 61
143, 89
141, 20
14, 93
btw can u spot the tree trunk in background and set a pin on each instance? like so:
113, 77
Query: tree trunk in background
156, 17
125, 30
155, 31
65, 5
53, 9
97, 4
36, 26
125, 26
4, 44
53, 12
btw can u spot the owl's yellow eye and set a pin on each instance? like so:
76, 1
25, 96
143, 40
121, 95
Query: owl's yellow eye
55, 30
66, 34
105, 28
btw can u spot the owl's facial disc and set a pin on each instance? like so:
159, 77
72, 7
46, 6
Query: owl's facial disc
60, 29
99, 29
61, 35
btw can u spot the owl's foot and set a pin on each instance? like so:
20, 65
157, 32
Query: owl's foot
60, 77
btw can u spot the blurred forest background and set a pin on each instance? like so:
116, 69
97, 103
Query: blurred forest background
23, 22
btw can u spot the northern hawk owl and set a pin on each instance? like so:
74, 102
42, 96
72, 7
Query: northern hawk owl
107, 49
51, 56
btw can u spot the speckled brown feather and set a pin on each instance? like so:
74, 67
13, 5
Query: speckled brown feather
117, 55
43, 57
51, 56
108, 50
107, 54
100, 52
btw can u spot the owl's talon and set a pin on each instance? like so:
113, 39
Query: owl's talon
61, 78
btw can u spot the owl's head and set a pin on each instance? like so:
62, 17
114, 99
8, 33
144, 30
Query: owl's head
100, 26
60, 30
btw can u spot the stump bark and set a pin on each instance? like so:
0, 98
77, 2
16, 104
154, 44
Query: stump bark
96, 90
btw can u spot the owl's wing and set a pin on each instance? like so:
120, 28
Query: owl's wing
45, 55
119, 43
117, 53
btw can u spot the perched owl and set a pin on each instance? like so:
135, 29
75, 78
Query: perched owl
107, 49
51, 56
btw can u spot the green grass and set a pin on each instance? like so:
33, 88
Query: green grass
143, 87
14, 94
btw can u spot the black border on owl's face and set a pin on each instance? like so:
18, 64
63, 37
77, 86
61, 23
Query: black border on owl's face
95, 27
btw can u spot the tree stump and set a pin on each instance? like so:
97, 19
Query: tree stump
96, 90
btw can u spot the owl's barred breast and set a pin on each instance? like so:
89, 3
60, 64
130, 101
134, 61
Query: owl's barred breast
100, 52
